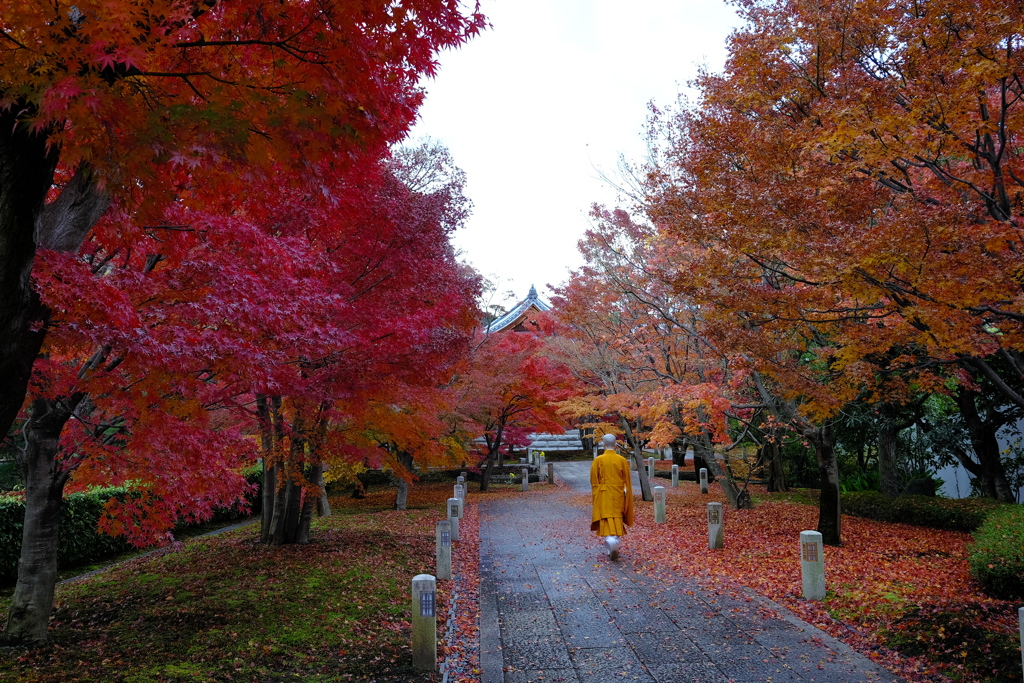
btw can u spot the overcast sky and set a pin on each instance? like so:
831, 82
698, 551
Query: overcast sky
536, 107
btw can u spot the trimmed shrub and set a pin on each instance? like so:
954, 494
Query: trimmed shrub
964, 514
868, 504
79, 541
996, 557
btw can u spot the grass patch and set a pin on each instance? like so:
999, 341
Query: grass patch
226, 608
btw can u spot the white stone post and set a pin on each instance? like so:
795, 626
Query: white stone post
595, 452
551, 473
461, 479
459, 492
716, 536
703, 480
424, 622
650, 469
542, 470
1020, 618
659, 504
675, 476
526, 479
812, 565
443, 546
454, 512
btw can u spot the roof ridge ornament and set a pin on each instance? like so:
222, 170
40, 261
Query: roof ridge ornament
533, 293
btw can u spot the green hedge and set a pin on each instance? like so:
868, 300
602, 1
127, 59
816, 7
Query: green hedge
964, 514
997, 555
80, 542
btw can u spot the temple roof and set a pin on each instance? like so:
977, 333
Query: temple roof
519, 312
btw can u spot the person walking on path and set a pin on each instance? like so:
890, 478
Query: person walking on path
612, 490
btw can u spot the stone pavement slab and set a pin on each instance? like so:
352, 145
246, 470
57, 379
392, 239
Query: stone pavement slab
553, 608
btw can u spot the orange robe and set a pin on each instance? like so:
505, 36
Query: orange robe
612, 490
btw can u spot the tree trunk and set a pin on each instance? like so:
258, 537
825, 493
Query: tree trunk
323, 504
29, 613
485, 476
774, 466
638, 460
402, 495
888, 440
26, 174
829, 510
986, 447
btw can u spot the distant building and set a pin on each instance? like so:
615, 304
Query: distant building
514, 320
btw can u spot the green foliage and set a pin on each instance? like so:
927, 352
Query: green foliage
997, 554
79, 542
965, 514
861, 481
10, 477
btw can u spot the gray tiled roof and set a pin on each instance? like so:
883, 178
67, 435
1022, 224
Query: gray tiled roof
532, 299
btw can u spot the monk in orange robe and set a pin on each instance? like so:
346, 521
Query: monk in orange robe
612, 490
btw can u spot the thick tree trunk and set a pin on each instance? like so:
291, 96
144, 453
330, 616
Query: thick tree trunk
774, 466
26, 174
829, 510
402, 493
485, 475
982, 432
29, 613
323, 504
638, 460
888, 440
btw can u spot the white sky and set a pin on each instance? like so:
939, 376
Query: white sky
535, 107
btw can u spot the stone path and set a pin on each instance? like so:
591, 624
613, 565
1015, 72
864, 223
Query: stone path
553, 608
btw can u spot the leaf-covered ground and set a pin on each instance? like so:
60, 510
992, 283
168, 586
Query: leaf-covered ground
225, 608
900, 594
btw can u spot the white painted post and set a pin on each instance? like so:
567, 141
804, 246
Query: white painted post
716, 536
650, 469
526, 479
595, 452
812, 565
461, 479
551, 473
454, 512
703, 480
675, 476
659, 504
424, 622
443, 548
541, 469
460, 492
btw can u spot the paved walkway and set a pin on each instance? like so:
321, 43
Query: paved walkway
554, 609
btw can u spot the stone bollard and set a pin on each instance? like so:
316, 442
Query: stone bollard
551, 473
675, 476
522, 461
542, 470
703, 480
443, 546
1020, 618
461, 479
812, 565
595, 452
454, 512
650, 469
424, 622
716, 537
458, 492
659, 504
526, 479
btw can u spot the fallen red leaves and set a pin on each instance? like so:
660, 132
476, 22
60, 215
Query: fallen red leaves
877, 580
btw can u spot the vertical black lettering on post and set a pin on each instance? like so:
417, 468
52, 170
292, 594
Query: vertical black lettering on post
446, 538
713, 516
427, 603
